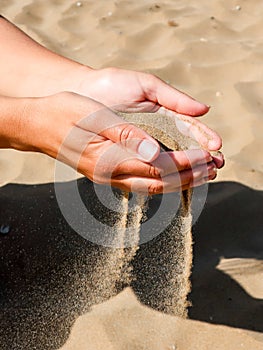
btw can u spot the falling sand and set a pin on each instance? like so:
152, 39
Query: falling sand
125, 244
168, 290
164, 288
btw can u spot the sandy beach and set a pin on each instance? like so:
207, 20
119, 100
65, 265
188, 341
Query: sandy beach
55, 287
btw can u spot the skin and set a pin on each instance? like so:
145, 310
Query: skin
66, 110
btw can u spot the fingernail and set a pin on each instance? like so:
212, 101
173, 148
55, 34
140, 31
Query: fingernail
212, 172
212, 177
213, 144
218, 159
148, 150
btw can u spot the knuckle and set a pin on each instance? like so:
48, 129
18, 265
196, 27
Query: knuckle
126, 133
154, 171
155, 187
151, 78
148, 81
116, 170
153, 81
185, 162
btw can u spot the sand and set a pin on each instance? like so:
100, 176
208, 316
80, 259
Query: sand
211, 50
170, 277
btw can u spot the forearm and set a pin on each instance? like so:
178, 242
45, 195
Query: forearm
29, 69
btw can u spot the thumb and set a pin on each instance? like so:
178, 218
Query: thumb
163, 94
134, 140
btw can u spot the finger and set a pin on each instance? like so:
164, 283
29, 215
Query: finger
167, 163
198, 183
181, 160
169, 183
201, 133
192, 127
218, 159
114, 128
158, 91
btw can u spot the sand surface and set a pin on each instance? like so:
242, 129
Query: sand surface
213, 50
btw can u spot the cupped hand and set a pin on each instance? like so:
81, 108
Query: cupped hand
92, 139
132, 91
136, 92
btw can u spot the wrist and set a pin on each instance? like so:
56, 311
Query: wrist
14, 127
62, 75
95, 83
77, 78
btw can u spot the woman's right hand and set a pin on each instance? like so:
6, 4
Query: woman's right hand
92, 139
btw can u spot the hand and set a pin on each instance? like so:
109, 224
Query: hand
133, 91
88, 136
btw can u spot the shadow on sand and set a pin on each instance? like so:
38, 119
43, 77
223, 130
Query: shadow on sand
49, 275
231, 226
